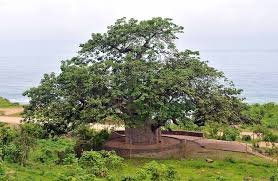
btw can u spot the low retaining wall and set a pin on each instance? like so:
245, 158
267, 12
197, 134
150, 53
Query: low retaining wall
185, 133
163, 151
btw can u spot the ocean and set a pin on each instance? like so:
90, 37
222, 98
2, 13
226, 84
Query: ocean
253, 71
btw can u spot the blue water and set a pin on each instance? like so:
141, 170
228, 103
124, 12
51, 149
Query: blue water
255, 72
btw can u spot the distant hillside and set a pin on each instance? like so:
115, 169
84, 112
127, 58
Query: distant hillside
5, 103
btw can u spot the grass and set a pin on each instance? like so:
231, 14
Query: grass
226, 166
5, 103
235, 167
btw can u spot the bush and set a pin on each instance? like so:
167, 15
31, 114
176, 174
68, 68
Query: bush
54, 150
7, 134
16, 143
160, 172
155, 172
212, 130
89, 139
99, 162
221, 132
70, 159
246, 138
230, 134
274, 176
76, 176
270, 137
34, 130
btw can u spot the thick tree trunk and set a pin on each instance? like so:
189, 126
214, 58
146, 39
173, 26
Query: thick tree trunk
143, 135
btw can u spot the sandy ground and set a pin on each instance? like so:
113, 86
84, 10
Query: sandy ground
8, 115
11, 111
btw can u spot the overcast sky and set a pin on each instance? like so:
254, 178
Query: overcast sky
57, 27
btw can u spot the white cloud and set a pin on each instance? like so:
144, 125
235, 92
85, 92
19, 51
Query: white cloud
59, 25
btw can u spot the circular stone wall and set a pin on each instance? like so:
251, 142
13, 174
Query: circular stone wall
167, 146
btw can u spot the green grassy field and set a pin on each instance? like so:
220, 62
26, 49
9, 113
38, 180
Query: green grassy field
231, 166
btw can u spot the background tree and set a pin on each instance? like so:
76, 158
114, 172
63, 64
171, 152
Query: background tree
134, 72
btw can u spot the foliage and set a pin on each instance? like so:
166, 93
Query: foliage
75, 175
270, 137
135, 73
212, 130
187, 169
183, 125
246, 138
230, 134
16, 143
48, 150
70, 159
221, 132
160, 172
99, 162
155, 172
267, 113
89, 139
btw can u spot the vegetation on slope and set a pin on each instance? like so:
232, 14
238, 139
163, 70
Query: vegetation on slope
29, 154
267, 113
5, 103
228, 167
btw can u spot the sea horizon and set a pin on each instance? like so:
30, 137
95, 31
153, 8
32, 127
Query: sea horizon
254, 71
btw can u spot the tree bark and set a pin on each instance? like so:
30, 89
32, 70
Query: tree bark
143, 135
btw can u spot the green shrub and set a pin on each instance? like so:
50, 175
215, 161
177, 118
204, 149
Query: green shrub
45, 155
34, 130
7, 134
75, 176
89, 139
212, 130
70, 159
153, 171
230, 134
267, 114
246, 138
183, 125
54, 150
274, 176
12, 153
99, 162
270, 137
129, 178
160, 172
2, 171
221, 132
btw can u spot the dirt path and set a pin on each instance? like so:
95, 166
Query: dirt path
11, 111
10, 120
10, 115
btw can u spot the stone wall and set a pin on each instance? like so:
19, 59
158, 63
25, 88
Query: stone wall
185, 133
